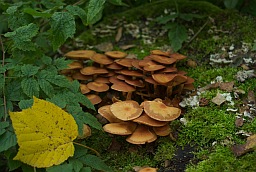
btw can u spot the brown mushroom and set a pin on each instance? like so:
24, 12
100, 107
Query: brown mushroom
95, 99
123, 87
146, 120
98, 87
84, 89
163, 59
80, 54
91, 70
125, 62
160, 53
162, 130
116, 54
126, 110
101, 59
159, 111
106, 113
121, 128
163, 78
142, 135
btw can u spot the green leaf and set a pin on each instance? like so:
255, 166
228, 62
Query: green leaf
254, 46
61, 63
86, 169
76, 10
230, 4
94, 12
35, 13
24, 104
165, 19
46, 60
3, 125
46, 87
59, 100
30, 87
13, 164
62, 167
84, 101
77, 165
59, 80
95, 162
87, 118
63, 27
74, 86
2, 81
177, 35
22, 37
29, 70
7, 140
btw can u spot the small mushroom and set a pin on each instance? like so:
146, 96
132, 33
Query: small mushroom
142, 135
121, 128
146, 120
98, 87
126, 110
106, 113
84, 89
162, 130
80, 54
116, 54
95, 99
101, 59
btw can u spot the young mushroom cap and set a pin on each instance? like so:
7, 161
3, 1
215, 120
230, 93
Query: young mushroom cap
91, 70
126, 110
116, 54
178, 56
162, 78
114, 66
121, 86
81, 77
102, 80
75, 65
162, 130
159, 111
84, 89
148, 169
125, 62
80, 54
151, 68
160, 52
95, 99
98, 87
146, 120
121, 128
101, 59
106, 113
131, 73
141, 135
163, 59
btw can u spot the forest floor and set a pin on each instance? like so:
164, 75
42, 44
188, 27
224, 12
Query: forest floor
217, 117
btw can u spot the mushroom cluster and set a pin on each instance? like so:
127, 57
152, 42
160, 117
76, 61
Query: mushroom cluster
155, 76
143, 123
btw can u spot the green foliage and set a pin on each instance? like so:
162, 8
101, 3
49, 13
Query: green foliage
35, 30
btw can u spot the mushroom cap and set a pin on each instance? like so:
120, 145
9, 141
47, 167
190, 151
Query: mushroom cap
102, 80
86, 132
116, 54
163, 59
84, 89
178, 56
101, 59
120, 128
126, 110
148, 169
125, 62
162, 78
151, 68
160, 53
75, 65
91, 70
95, 99
80, 54
159, 111
106, 113
98, 87
179, 79
146, 120
163, 130
135, 63
136, 83
131, 73
169, 70
114, 66
141, 135
151, 80
146, 62
122, 86
114, 80
81, 77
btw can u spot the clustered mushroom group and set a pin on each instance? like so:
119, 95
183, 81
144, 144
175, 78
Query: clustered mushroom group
155, 76
154, 81
143, 123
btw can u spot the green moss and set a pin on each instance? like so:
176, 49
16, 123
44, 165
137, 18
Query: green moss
165, 150
207, 125
249, 125
222, 159
248, 85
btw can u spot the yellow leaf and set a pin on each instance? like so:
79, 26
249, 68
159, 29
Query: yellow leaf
45, 133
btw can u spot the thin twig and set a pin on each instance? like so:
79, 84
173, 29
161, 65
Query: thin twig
97, 153
3, 62
200, 30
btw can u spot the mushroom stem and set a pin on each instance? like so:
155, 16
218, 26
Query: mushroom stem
169, 91
129, 95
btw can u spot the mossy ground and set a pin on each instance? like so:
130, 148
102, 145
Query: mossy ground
211, 129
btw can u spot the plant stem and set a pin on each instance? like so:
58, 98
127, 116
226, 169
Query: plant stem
34, 169
176, 6
3, 62
97, 153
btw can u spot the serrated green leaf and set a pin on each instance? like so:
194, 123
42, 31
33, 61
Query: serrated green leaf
76, 164
165, 19
12, 9
95, 162
62, 167
24, 104
76, 10
63, 27
22, 37
2, 81
35, 13
230, 4
177, 35
30, 87
13, 91
29, 70
86, 169
74, 86
79, 151
61, 63
46, 60
7, 140
84, 101
94, 13
19, 19
87, 118
59, 80
13, 164
46, 87
58, 100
